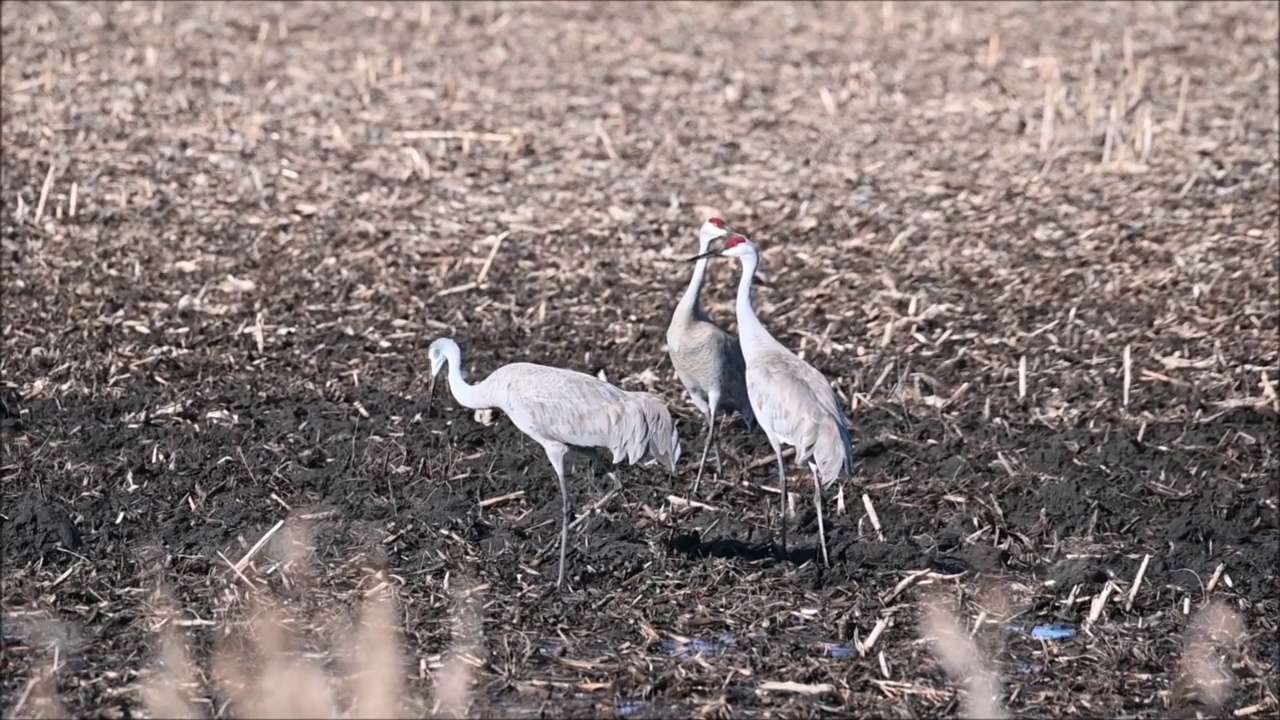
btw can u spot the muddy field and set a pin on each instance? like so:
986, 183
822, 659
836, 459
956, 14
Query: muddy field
1034, 246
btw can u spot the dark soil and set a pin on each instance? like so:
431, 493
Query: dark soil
231, 329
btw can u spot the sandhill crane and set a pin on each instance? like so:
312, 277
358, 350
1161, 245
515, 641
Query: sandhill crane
564, 410
793, 402
707, 359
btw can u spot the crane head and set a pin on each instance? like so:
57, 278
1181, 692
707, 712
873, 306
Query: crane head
736, 241
713, 229
441, 352
736, 246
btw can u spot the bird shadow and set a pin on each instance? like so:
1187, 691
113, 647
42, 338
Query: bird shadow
691, 544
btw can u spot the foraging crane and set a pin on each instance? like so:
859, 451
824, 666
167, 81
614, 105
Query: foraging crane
793, 402
564, 410
707, 359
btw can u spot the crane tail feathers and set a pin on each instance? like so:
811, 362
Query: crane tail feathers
832, 452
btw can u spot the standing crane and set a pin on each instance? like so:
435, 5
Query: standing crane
565, 410
707, 359
793, 402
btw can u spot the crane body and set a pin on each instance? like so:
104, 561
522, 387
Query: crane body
565, 410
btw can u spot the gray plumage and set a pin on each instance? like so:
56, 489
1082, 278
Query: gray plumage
565, 410
796, 404
663, 448
707, 359
793, 403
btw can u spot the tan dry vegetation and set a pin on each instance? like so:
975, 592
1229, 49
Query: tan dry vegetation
39, 699
1204, 674
260, 668
962, 660
281, 684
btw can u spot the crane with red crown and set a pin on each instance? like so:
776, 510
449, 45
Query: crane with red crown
707, 359
792, 402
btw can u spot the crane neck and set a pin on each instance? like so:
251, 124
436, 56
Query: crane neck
690, 304
751, 334
467, 395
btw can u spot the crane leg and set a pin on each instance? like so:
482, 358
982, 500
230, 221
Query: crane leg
711, 433
556, 453
713, 402
782, 487
817, 503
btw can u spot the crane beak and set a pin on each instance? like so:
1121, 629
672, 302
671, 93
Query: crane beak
431, 393
717, 252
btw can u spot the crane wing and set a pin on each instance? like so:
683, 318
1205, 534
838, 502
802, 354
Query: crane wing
662, 441
793, 403
573, 408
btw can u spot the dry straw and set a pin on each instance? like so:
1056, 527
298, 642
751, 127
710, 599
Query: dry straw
286, 684
1202, 675
262, 673
962, 660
